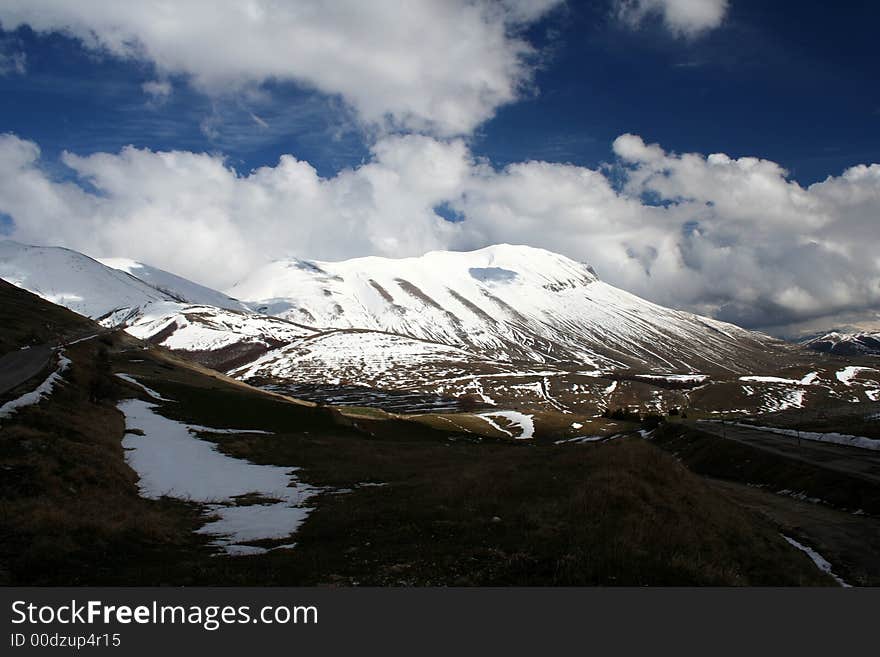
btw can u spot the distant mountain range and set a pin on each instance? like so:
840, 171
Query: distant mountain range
508, 303
847, 344
502, 325
504, 303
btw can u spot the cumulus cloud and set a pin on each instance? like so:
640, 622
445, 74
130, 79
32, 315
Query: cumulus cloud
733, 238
193, 214
682, 17
437, 66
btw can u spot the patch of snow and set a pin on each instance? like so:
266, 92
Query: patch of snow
672, 378
836, 438
809, 379
577, 425
152, 393
785, 400
88, 337
847, 374
200, 429
769, 379
171, 461
40, 392
582, 439
524, 422
821, 563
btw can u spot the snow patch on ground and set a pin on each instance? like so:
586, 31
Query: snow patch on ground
836, 438
581, 439
41, 391
524, 422
820, 561
847, 374
809, 379
171, 461
152, 393
806, 380
785, 400
674, 378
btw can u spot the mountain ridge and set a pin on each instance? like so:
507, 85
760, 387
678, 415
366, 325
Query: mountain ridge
509, 302
846, 344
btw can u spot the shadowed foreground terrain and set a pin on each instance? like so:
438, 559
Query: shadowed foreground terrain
400, 503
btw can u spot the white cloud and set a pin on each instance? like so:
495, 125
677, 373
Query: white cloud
440, 66
157, 90
735, 238
681, 17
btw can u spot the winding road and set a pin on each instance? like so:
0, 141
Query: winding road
16, 367
852, 461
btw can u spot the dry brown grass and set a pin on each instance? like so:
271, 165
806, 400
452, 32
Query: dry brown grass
454, 511
70, 512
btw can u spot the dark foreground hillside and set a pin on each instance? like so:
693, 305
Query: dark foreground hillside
399, 503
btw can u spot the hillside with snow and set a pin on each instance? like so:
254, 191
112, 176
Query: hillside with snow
847, 344
509, 303
73, 280
174, 286
501, 327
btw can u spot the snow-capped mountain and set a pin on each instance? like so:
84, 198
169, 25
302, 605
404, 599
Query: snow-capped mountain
504, 302
105, 289
847, 344
505, 325
162, 307
173, 285
75, 281
217, 337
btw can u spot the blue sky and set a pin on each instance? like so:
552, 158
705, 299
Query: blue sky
792, 82
720, 156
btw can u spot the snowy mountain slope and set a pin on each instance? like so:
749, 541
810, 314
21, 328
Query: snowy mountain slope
217, 337
74, 280
364, 358
504, 302
191, 327
174, 286
506, 326
220, 331
847, 344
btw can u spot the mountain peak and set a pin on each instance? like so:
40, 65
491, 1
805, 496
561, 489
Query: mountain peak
505, 301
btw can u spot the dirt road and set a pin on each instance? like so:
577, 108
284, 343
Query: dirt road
852, 461
848, 541
17, 367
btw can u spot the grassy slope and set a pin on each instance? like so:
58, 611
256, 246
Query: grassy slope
69, 508
25, 319
727, 459
453, 511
